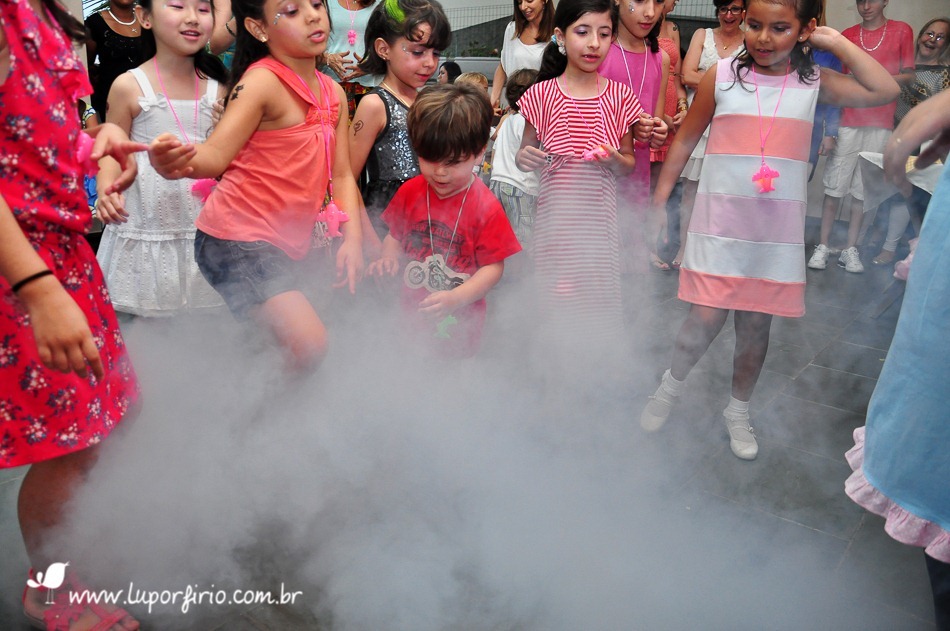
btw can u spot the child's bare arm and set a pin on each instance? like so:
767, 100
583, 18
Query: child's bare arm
349, 258
868, 85
252, 103
439, 304
60, 329
123, 97
530, 157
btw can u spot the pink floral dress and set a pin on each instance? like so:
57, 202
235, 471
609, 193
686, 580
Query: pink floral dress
45, 413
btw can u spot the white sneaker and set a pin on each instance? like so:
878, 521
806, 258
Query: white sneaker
657, 410
850, 260
819, 259
741, 437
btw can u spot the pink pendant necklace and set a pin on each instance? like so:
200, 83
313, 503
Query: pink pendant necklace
765, 174
351, 34
646, 59
181, 127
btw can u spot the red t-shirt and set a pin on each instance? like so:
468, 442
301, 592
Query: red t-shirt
895, 53
483, 237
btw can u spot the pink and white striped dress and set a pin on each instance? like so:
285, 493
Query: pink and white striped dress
576, 242
745, 250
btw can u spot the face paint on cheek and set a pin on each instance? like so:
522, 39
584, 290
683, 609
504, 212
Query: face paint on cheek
277, 17
630, 7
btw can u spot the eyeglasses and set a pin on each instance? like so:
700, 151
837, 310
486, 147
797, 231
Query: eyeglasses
937, 37
732, 10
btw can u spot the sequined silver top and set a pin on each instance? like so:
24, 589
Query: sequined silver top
392, 158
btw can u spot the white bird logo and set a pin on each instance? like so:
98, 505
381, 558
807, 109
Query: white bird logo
51, 579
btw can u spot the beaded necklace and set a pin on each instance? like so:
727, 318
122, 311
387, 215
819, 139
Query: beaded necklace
883, 35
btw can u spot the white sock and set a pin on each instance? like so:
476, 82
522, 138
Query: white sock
737, 410
672, 385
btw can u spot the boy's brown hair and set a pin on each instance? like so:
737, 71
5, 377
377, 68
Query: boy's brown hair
517, 84
450, 122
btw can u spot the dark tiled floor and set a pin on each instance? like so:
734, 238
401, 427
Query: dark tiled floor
824, 564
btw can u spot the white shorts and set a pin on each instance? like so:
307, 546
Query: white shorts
842, 175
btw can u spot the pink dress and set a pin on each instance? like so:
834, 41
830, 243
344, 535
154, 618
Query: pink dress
44, 413
641, 72
745, 249
576, 238
667, 44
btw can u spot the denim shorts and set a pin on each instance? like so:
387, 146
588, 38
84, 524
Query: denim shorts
245, 273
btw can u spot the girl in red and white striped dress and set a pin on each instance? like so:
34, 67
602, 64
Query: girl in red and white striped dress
578, 131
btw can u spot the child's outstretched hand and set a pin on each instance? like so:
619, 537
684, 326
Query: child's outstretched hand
613, 160
531, 158
112, 141
385, 266
170, 157
439, 304
111, 208
349, 265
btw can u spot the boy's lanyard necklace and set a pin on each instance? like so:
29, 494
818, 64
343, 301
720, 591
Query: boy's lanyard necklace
646, 58
600, 110
458, 218
765, 175
181, 127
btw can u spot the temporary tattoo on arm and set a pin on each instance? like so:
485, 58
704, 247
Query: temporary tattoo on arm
357, 126
234, 94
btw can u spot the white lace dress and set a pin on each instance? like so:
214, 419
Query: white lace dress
707, 59
149, 261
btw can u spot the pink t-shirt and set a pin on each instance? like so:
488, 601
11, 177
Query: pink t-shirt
275, 186
895, 53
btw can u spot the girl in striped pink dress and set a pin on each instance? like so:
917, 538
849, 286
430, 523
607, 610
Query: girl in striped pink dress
745, 250
577, 131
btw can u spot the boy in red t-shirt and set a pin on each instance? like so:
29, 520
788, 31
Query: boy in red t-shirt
448, 235
890, 43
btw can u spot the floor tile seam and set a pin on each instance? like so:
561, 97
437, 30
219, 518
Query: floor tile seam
824, 405
767, 440
844, 372
845, 540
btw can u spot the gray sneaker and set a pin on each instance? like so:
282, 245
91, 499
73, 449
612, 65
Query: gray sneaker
819, 259
850, 260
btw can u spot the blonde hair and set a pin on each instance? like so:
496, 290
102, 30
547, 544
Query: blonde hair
474, 78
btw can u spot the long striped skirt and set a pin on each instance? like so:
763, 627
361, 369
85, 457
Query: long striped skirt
576, 251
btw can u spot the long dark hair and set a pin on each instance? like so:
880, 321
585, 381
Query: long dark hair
553, 63
801, 58
545, 25
73, 28
206, 64
392, 19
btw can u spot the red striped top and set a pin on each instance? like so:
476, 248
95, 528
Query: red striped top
569, 127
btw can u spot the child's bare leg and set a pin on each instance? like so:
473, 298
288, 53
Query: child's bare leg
297, 328
47, 488
829, 209
855, 221
701, 327
752, 344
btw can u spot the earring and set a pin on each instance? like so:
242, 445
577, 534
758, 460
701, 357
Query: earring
263, 38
